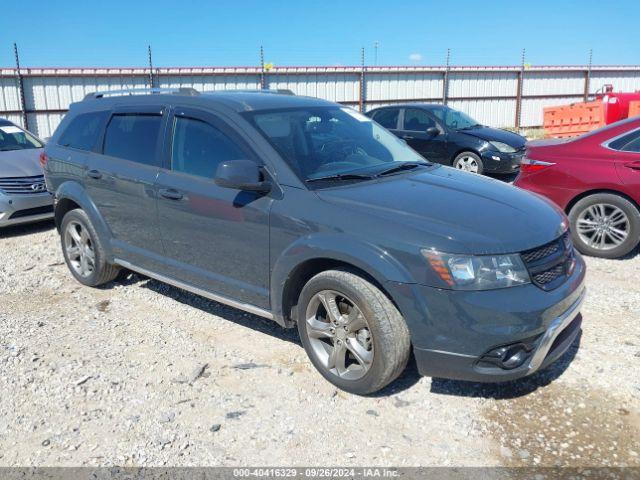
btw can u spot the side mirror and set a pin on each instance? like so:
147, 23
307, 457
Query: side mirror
433, 131
241, 175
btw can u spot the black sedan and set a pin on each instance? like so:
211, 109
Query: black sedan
444, 135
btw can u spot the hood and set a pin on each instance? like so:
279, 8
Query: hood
20, 163
496, 135
453, 211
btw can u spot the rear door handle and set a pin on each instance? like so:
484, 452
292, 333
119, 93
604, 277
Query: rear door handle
94, 174
407, 137
171, 194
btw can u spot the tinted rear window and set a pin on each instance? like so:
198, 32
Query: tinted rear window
133, 137
83, 131
628, 143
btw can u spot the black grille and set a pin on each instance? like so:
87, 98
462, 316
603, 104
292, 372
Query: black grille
542, 252
550, 264
28, 212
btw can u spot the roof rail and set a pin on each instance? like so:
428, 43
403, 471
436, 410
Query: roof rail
279, 91
142, 91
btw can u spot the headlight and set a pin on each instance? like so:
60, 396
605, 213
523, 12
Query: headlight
503, 147
481, 272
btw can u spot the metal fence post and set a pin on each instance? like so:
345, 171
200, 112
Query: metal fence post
363, 93
519, 93
263, 74
445, 79
151, 81
20, 82
587, 77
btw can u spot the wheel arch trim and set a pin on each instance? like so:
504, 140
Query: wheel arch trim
375, 263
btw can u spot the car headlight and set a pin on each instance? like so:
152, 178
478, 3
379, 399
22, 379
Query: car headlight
503, 147
478, 272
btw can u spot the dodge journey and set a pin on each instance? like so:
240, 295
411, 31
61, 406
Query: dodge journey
311, 214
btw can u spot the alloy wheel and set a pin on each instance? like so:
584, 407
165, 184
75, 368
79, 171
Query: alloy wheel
339, 335
603, 226
79, 249
467, 163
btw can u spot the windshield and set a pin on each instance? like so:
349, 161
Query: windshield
319, 142
14, 138
454, 119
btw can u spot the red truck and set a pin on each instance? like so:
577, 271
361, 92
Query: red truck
578, 118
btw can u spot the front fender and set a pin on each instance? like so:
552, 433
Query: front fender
369, 258
74, 191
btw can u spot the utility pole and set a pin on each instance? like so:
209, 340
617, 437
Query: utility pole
20, 82
376, 44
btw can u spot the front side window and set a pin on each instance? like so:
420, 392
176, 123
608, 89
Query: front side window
417, 120
627, 143
83, 131
133, 137
15, 138
454, 119
388, 118
198, 148
326, 141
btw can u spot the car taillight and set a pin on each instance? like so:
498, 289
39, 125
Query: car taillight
43, 159
529, 165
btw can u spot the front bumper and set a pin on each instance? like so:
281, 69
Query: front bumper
18, 209
455, 333
497, 162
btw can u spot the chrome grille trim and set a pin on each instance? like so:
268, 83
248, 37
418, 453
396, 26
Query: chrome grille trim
23, 185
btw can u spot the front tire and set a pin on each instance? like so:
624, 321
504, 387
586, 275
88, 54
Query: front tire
354, 335
83, 251
605, 225
469, 162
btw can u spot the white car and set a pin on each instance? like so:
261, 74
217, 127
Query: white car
23, 193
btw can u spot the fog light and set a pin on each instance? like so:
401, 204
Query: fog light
507, 357
514, 357
496, 158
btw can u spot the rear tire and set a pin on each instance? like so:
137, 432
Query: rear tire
364, 344
83, 251
605, 225
469, 162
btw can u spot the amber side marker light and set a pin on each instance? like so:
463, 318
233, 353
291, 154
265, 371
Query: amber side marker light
440, 268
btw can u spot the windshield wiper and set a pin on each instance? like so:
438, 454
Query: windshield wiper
341, 176
401, 167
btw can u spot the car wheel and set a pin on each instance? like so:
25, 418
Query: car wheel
353, 334
469, 162
605, 225
83, 251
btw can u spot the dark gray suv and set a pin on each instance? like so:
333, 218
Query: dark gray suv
309, 213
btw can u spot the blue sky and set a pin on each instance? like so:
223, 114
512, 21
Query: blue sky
323, 32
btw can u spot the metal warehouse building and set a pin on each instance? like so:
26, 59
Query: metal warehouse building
498, 96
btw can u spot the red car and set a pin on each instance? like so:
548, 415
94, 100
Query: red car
595, 179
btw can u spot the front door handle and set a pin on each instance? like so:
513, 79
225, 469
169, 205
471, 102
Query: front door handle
633, 165
94, 174
171, 194
407, 137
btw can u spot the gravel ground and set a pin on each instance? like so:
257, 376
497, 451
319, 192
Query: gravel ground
140, 373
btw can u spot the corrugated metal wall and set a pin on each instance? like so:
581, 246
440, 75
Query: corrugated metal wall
497, 96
